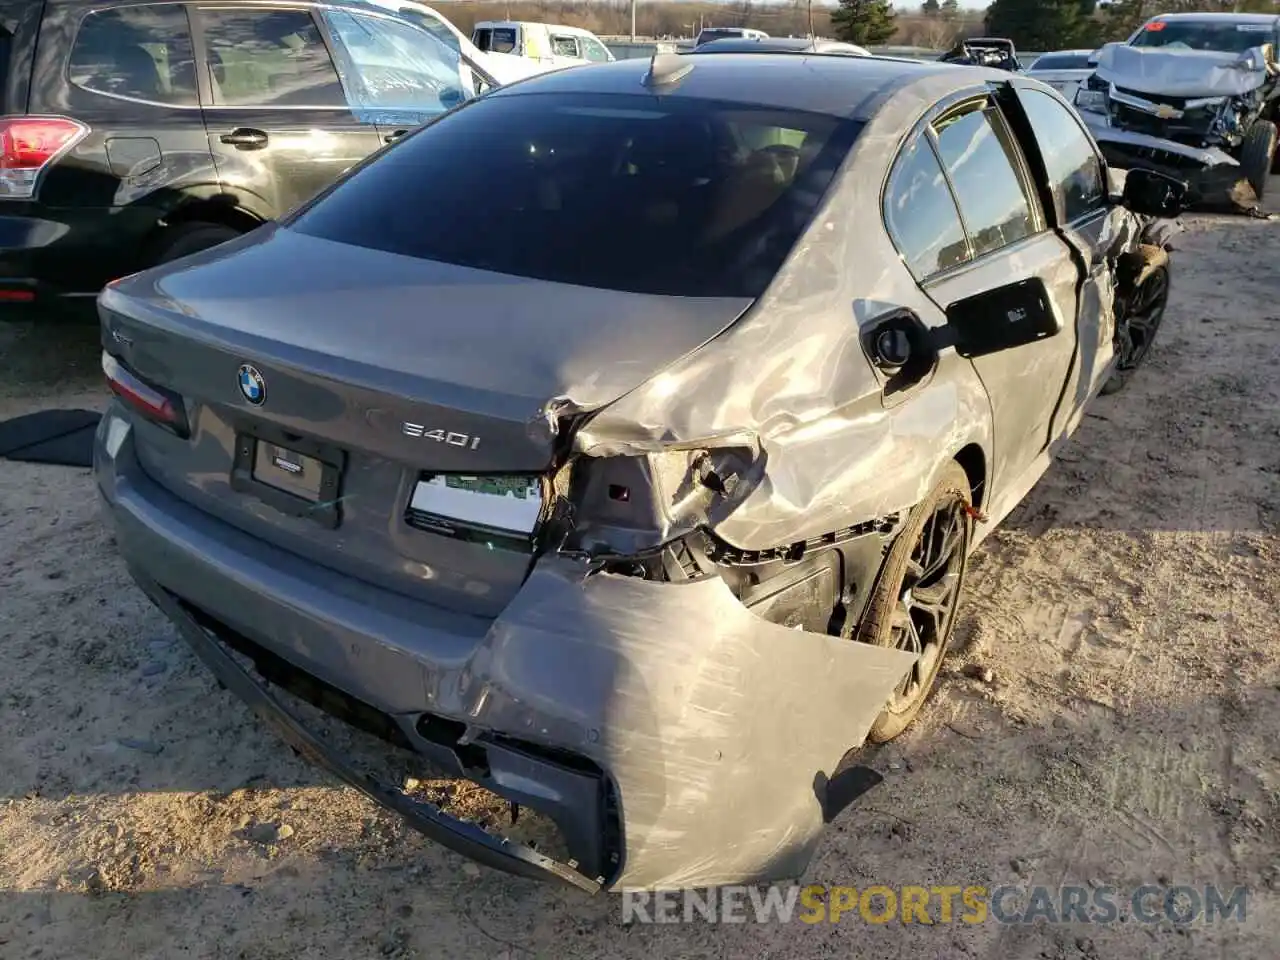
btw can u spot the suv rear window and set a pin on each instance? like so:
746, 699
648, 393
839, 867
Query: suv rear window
677, 196
143, 53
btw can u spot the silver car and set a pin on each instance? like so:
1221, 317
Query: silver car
1064, 70
617, 441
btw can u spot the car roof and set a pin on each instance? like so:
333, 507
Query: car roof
1220, 17
834, 84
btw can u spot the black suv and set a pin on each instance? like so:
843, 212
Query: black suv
133, 132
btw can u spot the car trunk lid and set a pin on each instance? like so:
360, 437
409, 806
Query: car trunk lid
384, 380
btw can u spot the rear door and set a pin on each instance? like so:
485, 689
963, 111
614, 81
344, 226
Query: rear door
279, 123
1066, 161
1007, 264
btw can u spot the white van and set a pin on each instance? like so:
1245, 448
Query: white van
707, 34
503, 67
544, 42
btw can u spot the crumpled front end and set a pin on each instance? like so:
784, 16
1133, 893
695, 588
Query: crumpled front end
1194, 98
635, 714
1214, 178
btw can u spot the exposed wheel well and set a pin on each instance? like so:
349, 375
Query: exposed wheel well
974, 463
221, 210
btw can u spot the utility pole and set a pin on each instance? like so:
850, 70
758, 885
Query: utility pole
811, 36
633, 21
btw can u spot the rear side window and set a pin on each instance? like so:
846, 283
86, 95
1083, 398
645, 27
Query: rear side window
143, 53
433, 27
978, 154
398, 67
1075, 173
921, 214
268, 58
679, 197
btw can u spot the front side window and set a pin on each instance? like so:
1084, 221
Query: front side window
921, 214
1075, 174
144, 53
496, 39
594, 50
625, 192
433, 27
978, 154
396, 66
269, 58
563, 46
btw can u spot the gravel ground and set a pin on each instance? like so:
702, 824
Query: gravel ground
1109, 720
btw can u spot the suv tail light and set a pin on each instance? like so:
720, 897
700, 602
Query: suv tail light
154, 403
27, 146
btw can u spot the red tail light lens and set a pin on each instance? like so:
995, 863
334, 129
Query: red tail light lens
27, 145
152, 402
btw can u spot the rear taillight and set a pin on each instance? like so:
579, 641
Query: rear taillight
27, 146
154, 403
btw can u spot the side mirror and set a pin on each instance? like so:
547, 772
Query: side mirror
1153, 194
1010, 316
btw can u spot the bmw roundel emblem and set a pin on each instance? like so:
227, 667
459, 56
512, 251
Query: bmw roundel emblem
252, 385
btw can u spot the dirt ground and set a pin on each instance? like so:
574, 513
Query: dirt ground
1111, 719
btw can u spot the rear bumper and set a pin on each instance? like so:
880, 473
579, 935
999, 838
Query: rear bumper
73, 252
676, 739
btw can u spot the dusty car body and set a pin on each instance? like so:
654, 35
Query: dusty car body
1193, 82
718, 480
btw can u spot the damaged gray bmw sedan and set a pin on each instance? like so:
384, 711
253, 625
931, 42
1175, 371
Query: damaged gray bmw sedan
617, 440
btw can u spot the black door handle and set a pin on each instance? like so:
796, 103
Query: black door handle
394, 135
246, 138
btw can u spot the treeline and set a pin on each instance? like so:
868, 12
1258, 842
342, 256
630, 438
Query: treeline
684, 19
1064, 24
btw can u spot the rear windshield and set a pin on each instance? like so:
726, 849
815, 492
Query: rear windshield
672, 196
1204, 35
1062, 61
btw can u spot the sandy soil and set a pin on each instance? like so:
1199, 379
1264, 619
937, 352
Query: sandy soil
1110, 720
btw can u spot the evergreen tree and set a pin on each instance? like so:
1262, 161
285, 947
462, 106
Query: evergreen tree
1044, 24
864, 22
950, 10
930, 8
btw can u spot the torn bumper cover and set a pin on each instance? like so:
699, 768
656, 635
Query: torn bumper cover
1214, 179
707, 734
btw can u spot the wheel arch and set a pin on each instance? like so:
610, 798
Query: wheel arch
221, 209
973, 460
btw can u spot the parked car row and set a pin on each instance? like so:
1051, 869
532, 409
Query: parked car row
618, 440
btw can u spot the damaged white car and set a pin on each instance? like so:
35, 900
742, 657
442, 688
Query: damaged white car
1195, 93
629, 466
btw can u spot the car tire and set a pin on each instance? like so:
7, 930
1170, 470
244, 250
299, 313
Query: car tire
1133, 342
1256, 154
899, 585
188, 238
